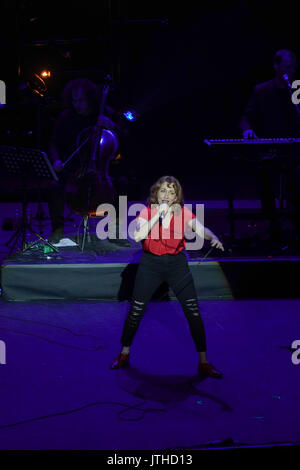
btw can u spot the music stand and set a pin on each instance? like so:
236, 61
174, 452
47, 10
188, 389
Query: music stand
26, 163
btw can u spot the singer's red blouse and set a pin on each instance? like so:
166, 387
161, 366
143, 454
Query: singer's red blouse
161, 241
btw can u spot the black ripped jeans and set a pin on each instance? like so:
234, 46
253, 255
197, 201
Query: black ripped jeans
152, 271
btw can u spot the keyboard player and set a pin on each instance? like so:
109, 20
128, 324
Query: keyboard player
270, 112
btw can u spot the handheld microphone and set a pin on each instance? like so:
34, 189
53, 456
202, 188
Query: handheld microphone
162, 215
287, 81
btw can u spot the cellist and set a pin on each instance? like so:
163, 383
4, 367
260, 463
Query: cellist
81, 100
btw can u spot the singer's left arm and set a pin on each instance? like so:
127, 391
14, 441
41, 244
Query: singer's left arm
204, 232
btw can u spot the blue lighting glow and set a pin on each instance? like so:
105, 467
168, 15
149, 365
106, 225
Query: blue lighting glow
130, 115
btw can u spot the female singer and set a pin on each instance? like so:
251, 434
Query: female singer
160, 227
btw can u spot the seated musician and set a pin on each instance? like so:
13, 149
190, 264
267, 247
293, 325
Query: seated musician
270, 113
81, 102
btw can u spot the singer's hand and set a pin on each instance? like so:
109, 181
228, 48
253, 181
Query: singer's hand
163, 208
215, 242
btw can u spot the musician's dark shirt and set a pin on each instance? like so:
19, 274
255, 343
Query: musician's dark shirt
271, 113
66, 130
71, 129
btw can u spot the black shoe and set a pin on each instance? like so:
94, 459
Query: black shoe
56, 235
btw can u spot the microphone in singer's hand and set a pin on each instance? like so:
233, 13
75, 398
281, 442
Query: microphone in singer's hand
163, 213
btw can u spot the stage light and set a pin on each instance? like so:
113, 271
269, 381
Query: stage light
130, 115
45, 73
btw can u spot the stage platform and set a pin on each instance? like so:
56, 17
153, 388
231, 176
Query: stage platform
105, 271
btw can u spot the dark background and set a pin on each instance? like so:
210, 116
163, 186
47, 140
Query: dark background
187, 68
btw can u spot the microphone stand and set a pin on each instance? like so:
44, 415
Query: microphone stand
40, 214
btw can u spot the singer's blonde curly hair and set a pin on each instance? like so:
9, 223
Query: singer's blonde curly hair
171, 180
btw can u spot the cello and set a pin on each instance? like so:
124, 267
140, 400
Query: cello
91, 184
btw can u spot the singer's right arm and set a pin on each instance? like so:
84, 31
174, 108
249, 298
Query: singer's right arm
143, 230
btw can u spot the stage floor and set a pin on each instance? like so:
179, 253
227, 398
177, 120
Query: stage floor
57, 391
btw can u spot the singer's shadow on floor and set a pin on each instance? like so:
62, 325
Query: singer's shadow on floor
168, 390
